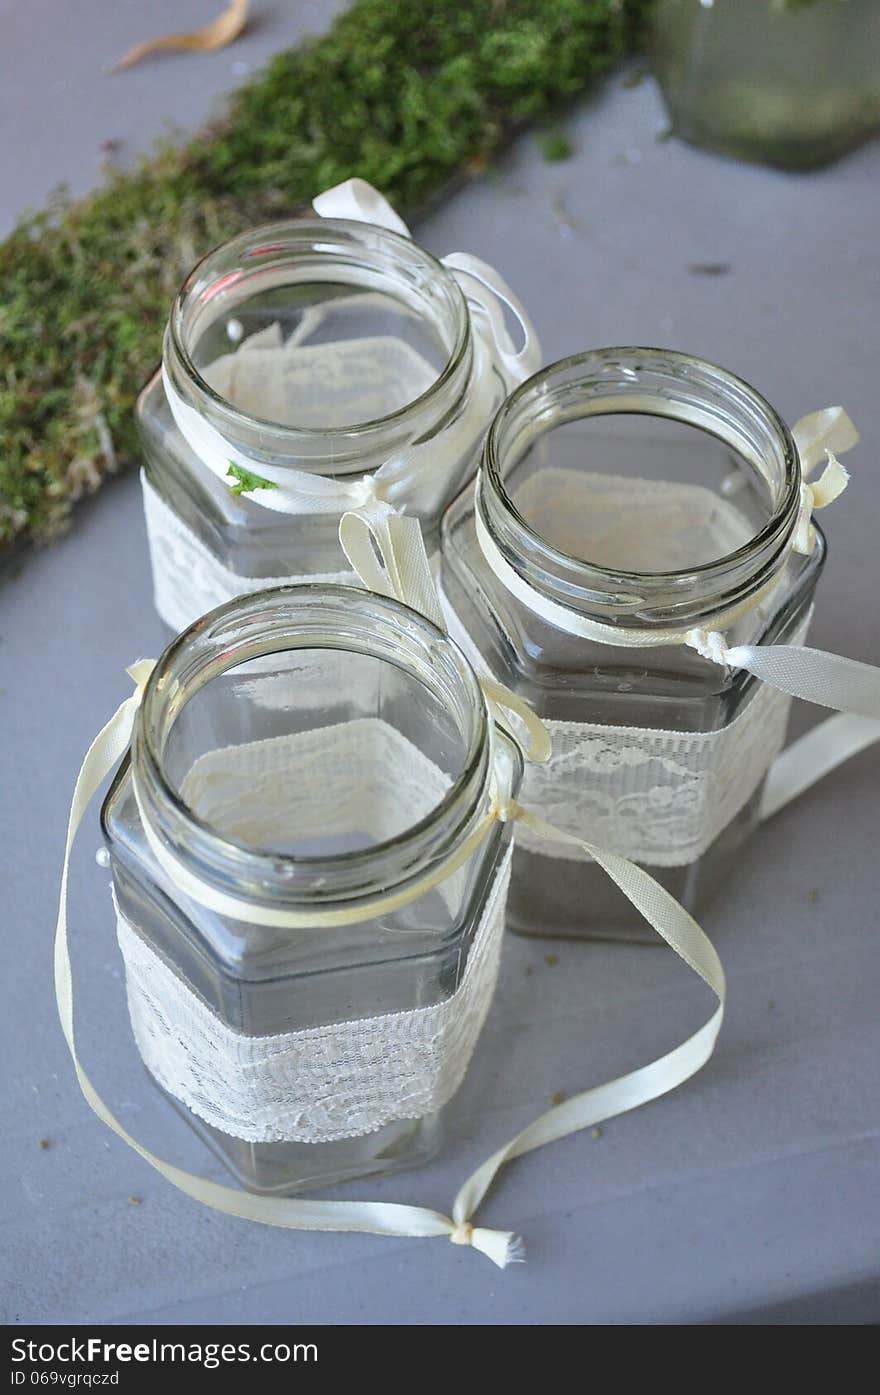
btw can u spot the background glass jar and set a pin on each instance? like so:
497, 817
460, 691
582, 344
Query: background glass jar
789, 82
308, 748
323, 346
644, 489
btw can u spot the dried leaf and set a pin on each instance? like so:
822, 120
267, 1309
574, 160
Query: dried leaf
218, 34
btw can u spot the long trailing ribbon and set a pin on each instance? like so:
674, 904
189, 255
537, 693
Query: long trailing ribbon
672, 922
813, 756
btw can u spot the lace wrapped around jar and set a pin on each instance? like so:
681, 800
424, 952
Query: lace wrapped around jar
312, 367
631, 504
311, 1038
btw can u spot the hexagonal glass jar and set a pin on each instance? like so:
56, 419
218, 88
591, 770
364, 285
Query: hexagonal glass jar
312, 750
321, 346
646, 490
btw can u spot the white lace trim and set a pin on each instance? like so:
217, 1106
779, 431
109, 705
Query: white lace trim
189, 580
357, 781
630, 523
321, 1084
325, 384
657, 797
361, 779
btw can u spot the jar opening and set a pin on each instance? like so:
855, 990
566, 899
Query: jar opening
317, 328
640, 480
313, 741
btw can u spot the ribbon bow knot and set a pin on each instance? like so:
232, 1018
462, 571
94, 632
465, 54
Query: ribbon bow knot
709, 644
462, 1233
368, 496
830, 484
818, 435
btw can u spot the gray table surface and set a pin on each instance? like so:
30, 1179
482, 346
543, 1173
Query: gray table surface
752, 1193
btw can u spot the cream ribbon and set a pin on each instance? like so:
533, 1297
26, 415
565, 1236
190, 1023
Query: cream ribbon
672, 922
815, 755
405, 575
390, 486
485, 291
828, 680
818, 435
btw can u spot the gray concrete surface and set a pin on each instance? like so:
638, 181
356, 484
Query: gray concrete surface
751, 1194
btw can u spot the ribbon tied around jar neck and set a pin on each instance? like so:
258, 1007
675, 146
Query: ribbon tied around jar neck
394, 483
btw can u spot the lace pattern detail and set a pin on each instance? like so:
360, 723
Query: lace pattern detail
188, 579
660, 798
355, 781
657, 797
342, 1080
315, 385
359, 779
639, 525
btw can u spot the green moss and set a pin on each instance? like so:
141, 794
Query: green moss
555, 145
244, 481
406, 96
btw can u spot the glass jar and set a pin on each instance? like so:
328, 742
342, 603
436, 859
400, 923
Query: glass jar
323, 346
790, 82
650, 491
310, 881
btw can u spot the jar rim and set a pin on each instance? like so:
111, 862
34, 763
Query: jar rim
203, 652
366, 238
586, 581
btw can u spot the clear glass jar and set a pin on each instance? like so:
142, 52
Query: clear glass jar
324, 346
310, 748
648, 490
789, 82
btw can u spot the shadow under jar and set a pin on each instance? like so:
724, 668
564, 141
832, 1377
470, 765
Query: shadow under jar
645, 490
321, 346
320, 754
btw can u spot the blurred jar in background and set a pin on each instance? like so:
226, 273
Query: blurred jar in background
793, 83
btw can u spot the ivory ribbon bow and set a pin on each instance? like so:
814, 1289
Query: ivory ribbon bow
818, 435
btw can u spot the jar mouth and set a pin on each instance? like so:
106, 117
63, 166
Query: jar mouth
363, 255
680, 388
312, 617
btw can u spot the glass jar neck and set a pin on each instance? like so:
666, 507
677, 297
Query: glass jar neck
315, 617
648, 382
339, 252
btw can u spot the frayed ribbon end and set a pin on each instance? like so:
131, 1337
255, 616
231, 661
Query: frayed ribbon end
501, 1246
